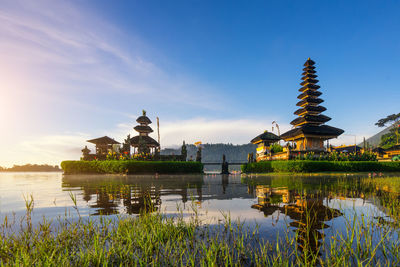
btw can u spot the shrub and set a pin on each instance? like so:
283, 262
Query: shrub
338, 156
130, 167
319, 166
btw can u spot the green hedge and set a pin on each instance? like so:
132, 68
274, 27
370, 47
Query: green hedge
131, 167
319, 166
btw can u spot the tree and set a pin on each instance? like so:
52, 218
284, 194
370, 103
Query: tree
391, 138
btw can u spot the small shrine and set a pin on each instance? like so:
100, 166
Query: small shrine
264, 142
104, 145
309, 130
143, 143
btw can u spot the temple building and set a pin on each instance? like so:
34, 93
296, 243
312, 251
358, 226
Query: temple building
143, 143
104, 145
392, 151
309, 130
264, 142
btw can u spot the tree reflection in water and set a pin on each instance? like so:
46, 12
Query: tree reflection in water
134, 194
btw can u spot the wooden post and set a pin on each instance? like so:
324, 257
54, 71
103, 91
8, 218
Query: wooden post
158, 133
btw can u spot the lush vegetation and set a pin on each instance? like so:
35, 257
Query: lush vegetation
319, 166
131, 167
392, 138
153, 239
276, 148
31, 168
338, 156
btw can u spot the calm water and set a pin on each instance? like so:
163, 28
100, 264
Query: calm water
271, 202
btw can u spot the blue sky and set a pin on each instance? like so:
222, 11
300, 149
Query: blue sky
216, 71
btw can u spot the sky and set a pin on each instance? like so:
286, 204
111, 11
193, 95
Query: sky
212, 71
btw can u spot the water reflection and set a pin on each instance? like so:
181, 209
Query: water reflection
307, 204
106, 194
307, 212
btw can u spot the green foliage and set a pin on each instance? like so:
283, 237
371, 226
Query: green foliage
130, 167
319, 166
338, 156
156, 239
275, 148
388, 140
389, 119
393, 137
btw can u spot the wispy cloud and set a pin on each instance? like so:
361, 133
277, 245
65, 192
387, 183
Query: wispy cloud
57, 57
77, 49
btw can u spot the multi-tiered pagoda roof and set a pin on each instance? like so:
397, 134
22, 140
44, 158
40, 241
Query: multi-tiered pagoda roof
143, 129
310, 121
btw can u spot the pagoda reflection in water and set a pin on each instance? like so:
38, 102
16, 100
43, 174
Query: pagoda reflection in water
307, 212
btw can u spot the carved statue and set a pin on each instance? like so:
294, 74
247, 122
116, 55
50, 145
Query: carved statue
198, 154
225, 165
184, 151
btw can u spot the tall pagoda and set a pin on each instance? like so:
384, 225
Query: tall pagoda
143, 142
310, 131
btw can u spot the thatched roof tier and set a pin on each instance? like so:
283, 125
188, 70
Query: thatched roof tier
323, 131
393, 148
310, 122
308, 109
309, 62
347, 149
311, 119
379, 150
309, 68
309, 101
143, 129
308, 75
309, 80
309, 93
143, 119
146, 139
105, 140
265, 137
309, 86
309, 71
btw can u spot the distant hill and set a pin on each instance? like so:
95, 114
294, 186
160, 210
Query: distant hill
376, 139
214, 152
31, 168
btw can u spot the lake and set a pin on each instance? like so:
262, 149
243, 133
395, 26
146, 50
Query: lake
273, 203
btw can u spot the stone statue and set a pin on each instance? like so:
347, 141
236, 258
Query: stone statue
198, 154
225, 165
184, 151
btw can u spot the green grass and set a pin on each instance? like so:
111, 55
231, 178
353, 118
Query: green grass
153, 239
320, 166
130, 167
